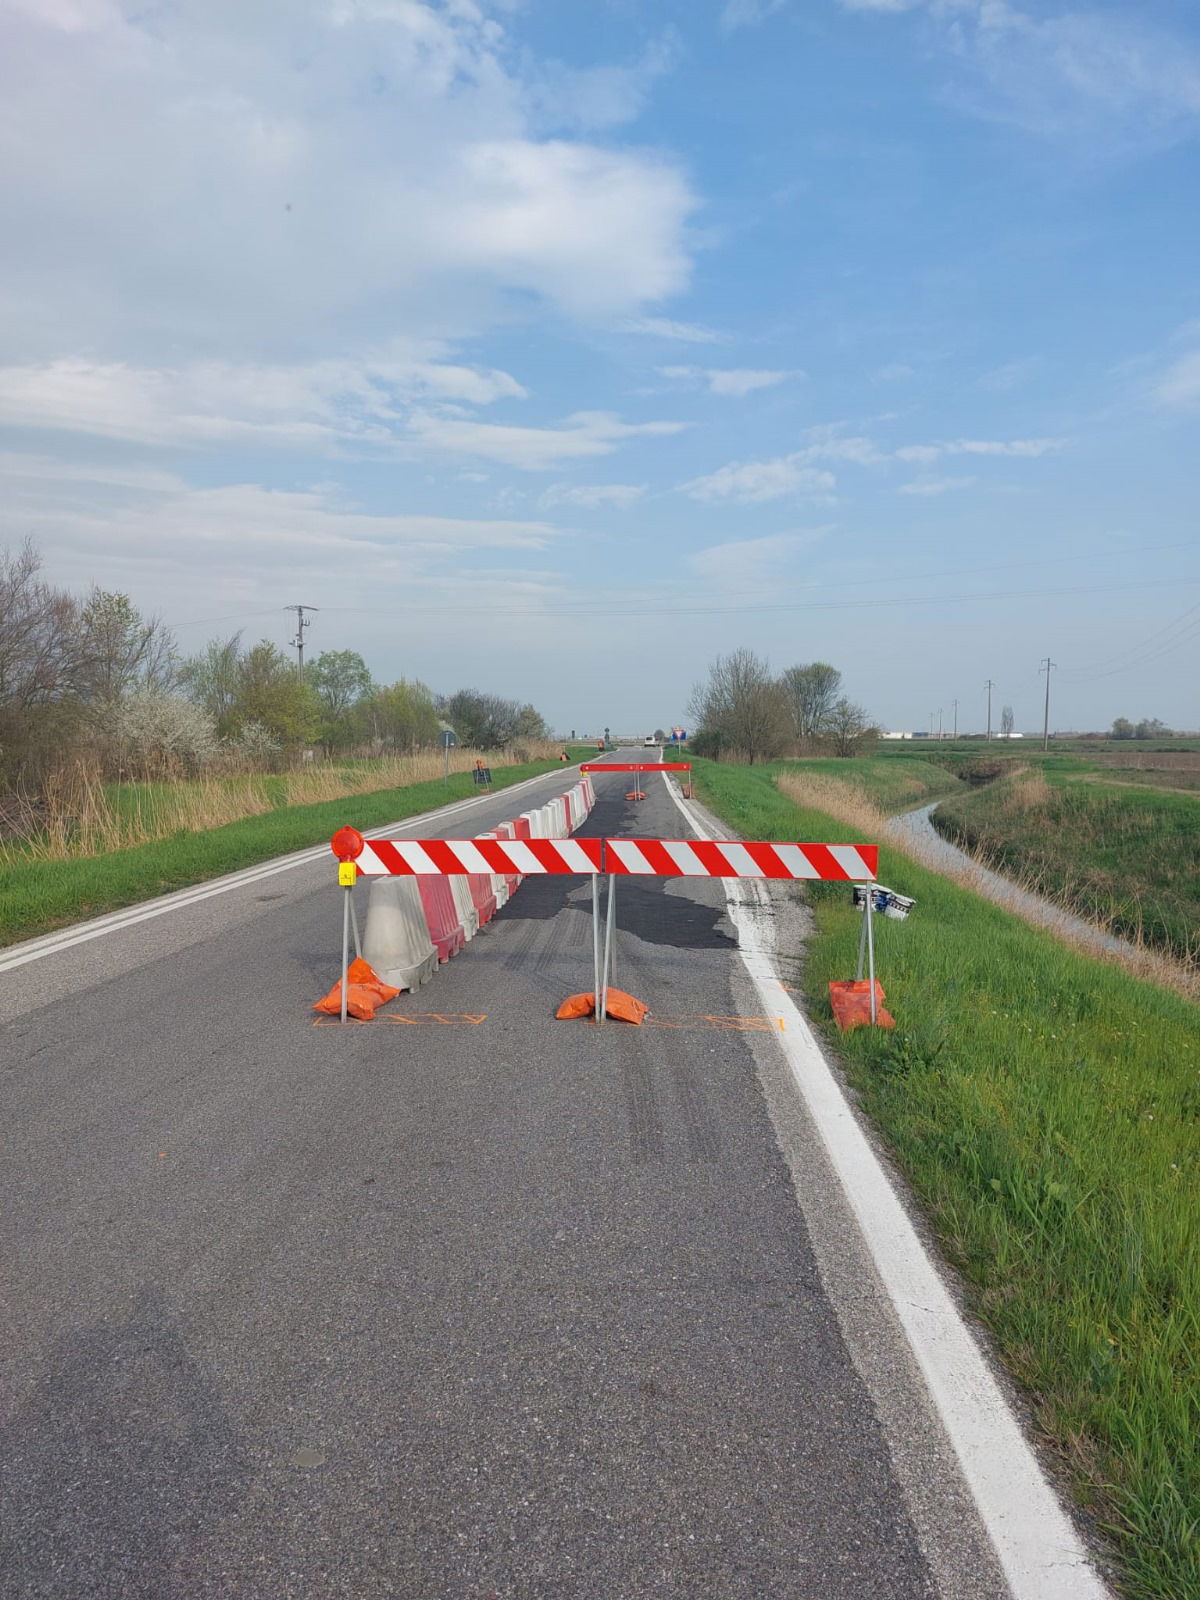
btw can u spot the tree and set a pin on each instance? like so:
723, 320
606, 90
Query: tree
1006, 723
1122, 728
810, 692
488, 722
529, 723
744, 705
849, 726
39, 665
213, 680
1151, 728
271, 692
403, 715
340, 680
121, 651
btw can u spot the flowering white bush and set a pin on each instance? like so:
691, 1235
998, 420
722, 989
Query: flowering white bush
161, 734
255, 747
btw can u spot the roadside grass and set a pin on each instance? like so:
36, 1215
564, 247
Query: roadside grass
1124, 855
80, 815
1045, 1108
894, 783
39, 893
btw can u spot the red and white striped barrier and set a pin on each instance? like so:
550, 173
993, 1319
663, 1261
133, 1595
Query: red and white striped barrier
735, 858
423, 858
648, 858
636, 766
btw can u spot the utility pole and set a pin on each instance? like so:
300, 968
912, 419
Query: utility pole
297, 643
989, 686
956, 719
931, 724
939, 724
1047, 667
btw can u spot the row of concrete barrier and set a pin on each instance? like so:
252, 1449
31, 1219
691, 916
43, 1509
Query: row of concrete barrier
415, 923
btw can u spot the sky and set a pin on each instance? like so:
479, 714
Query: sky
556, 349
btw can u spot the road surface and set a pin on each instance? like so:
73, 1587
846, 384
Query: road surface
476, 1305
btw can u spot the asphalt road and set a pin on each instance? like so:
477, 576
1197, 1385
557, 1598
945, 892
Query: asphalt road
492, 1306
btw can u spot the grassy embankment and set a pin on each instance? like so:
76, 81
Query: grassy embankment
179, 834
1046, 1109
1123, 854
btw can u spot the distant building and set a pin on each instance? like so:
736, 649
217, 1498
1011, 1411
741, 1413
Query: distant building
903, 735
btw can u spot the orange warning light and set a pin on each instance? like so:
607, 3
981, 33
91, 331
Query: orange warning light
347, 844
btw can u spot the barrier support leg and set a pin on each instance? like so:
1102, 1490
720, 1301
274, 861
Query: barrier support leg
354, 923
596, 937
347, 911
607, 972
870, 925
862, 940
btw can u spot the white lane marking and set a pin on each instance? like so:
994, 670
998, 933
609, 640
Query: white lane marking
81, 933
1042, 1556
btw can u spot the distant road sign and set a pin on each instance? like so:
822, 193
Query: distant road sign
449, 738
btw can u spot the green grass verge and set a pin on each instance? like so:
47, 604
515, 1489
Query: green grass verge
894, 783
1124, 855
1046, 1110
41, 896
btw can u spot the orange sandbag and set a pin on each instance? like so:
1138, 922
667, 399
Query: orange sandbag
851, 1002
620, 1005
365, 993
624, 1007
576, 1005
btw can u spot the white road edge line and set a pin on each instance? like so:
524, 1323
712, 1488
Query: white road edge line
80, 933
1042, 1555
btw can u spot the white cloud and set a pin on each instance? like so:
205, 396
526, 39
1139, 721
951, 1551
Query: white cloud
255, 177
751, 559
830, 444
593, 496
1107, 79
1179, 387
587, 433
664, 328
318, 406
165, 516
935, 486
1027, 449
598, 97
881, 5
745, 13
1012, 375
728, 380
896, 372
753, 482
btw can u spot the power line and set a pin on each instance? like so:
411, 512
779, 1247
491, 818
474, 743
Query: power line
1184, 628
610, 607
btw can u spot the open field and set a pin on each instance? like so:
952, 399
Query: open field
892, 782
1125, 855
40, 891
1045, 1108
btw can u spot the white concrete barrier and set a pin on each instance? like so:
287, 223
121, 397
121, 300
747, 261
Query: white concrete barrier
396, 941
537, 824
468, 915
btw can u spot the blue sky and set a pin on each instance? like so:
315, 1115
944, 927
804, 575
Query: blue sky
555, 349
